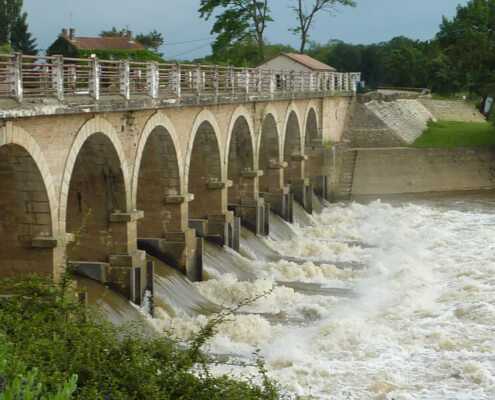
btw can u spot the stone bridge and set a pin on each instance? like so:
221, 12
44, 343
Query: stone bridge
92, 174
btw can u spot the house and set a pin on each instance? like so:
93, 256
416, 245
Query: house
107, 48
295, 62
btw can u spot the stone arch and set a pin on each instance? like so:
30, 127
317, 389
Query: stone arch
157, 178
311, 131
156, 120
293, 143
269, 150
203, 167
28, 228
239, 152
95, 178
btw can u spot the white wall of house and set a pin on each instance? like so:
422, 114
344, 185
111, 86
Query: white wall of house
282, 62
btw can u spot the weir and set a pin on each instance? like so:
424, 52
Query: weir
164, 162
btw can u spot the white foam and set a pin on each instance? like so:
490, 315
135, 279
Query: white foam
421, 327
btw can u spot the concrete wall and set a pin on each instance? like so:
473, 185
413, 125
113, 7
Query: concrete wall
407, 170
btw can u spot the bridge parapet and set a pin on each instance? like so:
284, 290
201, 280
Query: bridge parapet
23, 76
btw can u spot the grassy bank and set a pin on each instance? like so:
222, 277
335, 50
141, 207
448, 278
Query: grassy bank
53, 347
456, 134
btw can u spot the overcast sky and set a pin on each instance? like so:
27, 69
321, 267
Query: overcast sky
178, 20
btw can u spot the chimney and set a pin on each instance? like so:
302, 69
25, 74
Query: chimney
121, 34
129, 35
72, 34
64, 33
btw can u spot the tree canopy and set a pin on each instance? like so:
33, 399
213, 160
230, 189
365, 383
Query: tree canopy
306, 15
14, 28
237, 21
469, 38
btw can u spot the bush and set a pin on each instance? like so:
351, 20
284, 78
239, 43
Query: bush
58, 339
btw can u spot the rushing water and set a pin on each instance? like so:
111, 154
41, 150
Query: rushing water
383, 300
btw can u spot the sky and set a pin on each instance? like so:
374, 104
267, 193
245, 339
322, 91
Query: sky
188, 37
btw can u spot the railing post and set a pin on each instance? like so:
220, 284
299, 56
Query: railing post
272, 82
311, 81
353, 82
197, 79
341, 81
326, 75
346, 82
152, 79
175, 80
216, 80
231, 78
15, 73
58, 77
246, 80
125, 87
94, 78
259, 82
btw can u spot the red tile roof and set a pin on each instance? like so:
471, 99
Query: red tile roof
105, 43
309, 62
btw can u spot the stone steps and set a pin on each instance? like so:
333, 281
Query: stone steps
453, 110
344, 186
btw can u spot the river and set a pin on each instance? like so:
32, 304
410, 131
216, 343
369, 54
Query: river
384, 299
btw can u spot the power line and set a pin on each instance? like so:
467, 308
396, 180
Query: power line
190, 51
187, 41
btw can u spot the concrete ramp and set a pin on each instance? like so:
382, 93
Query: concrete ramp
453, 110
407, 118
381, 123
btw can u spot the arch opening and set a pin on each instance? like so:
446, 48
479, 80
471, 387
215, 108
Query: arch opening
292, 145
24, 214
204, 168
240, 160
312, 135
158, 178
269, 153
96, 191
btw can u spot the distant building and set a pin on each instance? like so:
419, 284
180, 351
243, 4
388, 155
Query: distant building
110, 48
295, 62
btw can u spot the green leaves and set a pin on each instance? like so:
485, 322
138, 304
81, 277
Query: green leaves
237, 21
61, 346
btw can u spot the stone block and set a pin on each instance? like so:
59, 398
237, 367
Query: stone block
126, 217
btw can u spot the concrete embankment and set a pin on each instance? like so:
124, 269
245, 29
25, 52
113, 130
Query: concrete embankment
379, 123
452, 110
411, 170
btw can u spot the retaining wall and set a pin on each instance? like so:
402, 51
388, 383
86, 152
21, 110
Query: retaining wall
408, 170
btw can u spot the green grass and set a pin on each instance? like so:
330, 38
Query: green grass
456, 134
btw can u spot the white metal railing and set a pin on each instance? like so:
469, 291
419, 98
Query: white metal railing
27, 76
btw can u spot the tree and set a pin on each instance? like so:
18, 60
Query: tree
10, 10
239, 20
469, 38
152, 41
111, 33
20, 38
306, 15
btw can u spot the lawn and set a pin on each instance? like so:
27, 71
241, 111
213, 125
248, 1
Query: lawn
456, 134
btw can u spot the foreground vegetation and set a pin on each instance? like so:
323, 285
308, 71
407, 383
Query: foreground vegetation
53, 347
456, 134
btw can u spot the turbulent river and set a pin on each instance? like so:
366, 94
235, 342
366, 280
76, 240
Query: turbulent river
389, 299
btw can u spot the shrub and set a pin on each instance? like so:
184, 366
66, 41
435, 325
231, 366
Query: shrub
58, 339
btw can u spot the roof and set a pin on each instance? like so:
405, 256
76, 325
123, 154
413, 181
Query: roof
305, 60
309, 62
105, 43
